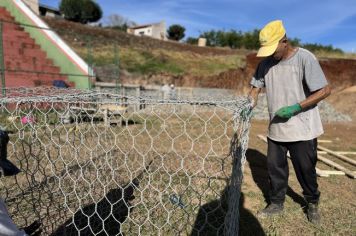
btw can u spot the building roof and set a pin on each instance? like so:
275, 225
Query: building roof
52, 9
144, 26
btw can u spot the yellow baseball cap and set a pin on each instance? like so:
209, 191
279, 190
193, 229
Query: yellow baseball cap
270, 36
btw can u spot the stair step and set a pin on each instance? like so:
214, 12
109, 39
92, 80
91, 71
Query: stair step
7, 19
9, 39
5, 14
4, 10
17, 62
9, 75
32, 67
23, 57
15, 33
8, 34
11, 26
19, 45
34, 70
25, 52
26, 81
32, 61
18, 81
19, 38
20, 65
28, 59
33, 52
10, 29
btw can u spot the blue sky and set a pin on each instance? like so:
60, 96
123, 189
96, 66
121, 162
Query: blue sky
313, 21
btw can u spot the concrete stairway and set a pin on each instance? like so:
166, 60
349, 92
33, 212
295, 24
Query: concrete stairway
26, 64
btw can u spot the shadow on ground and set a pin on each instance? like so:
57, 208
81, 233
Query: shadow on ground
258, 165
211, 216
104, 217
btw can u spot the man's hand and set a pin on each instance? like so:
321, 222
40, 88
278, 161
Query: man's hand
289, 111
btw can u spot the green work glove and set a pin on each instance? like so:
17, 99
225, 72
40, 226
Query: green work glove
289, 111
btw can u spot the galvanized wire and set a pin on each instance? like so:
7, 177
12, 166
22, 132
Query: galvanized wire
103, 164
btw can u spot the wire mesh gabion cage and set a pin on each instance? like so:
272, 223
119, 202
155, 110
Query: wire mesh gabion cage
103, 164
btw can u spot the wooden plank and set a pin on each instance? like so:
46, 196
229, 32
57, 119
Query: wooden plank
263, 138
324, 141
333, 172
323, 173
341, 153
342, 157
319, 172
337, 166
346, 153
326, 161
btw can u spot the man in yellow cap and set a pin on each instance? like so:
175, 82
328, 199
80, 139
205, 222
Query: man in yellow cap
294, 83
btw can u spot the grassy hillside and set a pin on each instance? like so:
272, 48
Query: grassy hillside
140, 61
143, 55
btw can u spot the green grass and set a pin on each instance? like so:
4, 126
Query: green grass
336, 55
148, 63
142, 62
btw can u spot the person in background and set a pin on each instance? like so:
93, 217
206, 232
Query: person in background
172, 92
165, 89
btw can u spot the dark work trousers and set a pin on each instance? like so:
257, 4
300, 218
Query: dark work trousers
304, 157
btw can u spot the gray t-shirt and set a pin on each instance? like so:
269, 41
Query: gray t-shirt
288, 82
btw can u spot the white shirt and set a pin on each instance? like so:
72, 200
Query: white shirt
289, 82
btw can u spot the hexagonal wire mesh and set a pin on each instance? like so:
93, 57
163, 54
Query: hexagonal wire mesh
102, 164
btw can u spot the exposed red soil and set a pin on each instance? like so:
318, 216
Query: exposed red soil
341, 74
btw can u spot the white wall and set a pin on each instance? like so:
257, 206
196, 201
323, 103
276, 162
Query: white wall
159, 31
143, 31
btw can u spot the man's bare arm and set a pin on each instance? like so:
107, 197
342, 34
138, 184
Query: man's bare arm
254, 94
316, 97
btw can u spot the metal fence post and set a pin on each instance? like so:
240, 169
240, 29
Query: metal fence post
117, 69
90, 63
2, 61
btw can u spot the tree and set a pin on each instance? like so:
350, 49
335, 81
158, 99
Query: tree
211, 38
71, 9
295, 42
83, 11
91, 11
176, 32
232, 39
192, 40
251, 39
115, 21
